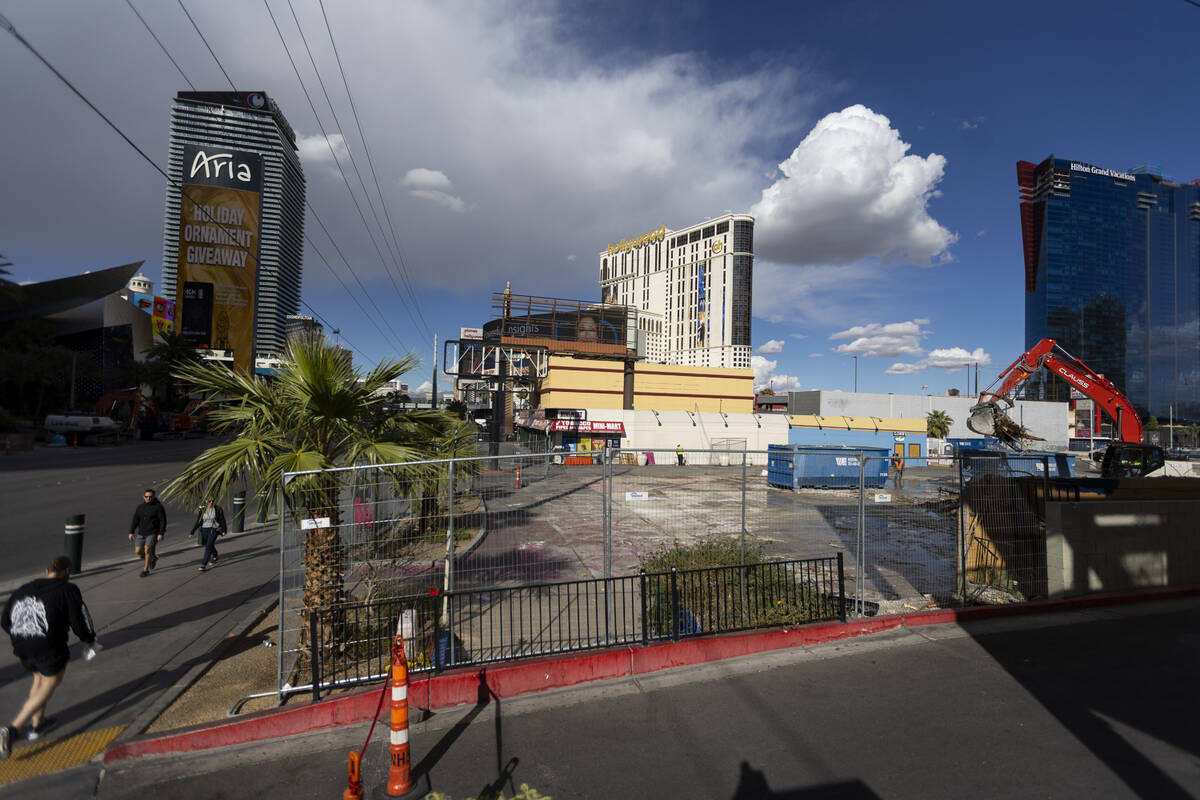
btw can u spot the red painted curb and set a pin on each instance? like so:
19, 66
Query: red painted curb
465, 686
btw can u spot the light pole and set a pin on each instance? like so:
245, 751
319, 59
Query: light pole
855, 373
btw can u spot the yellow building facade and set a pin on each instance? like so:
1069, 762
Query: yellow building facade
594, 383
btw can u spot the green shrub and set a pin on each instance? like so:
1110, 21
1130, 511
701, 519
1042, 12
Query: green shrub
765, 593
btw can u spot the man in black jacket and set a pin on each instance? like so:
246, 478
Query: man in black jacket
147, 529
37, 617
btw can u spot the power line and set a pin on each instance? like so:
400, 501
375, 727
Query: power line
371, 164
311, 105
210, 50
8, 26
159, 43
395, 337
363, 183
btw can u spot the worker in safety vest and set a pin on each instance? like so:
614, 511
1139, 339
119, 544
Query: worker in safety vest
898, 470
679, 454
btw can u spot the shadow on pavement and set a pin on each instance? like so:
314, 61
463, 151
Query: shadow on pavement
752, 785
1136, 684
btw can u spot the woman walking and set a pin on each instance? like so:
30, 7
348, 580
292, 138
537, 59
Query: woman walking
211, 522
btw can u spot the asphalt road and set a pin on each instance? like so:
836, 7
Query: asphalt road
41, 488
1096, 704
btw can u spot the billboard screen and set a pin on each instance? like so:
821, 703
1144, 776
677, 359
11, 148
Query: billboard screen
603, 325
163, 316
218, 249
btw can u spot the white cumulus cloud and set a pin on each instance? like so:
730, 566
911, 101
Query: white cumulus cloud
770, 347
949, 359
883, 341
319, 149
764, 376
433, 185
850, 190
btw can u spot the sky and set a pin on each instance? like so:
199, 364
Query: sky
508, 142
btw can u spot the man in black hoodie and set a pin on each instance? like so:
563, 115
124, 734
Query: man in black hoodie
37, 617
147, 529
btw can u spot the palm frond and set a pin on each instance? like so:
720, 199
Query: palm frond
219, 469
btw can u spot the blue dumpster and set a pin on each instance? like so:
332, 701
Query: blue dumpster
1060, 465
779, 465
999, 462
809, 466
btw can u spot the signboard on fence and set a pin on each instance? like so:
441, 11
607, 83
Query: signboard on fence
314, 523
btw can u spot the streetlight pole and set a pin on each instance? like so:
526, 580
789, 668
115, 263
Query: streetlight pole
855, 374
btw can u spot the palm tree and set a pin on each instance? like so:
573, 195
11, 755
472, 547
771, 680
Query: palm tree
937, 424
315, 415
171, 350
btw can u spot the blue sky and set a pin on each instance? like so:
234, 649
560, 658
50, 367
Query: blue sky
512, 141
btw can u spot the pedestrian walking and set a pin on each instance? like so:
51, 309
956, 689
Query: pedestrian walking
210, 520
898, 470
147, 529
679, 454
37, 617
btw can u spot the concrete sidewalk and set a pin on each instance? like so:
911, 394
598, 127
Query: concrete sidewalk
159, 634
1090, 702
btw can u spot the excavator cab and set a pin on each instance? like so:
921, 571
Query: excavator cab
1126, 460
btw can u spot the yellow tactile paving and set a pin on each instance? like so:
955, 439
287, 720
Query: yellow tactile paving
52, 755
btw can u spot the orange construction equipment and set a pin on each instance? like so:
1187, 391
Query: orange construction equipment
399, 782
354, 790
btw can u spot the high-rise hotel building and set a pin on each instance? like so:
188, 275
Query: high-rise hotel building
233, 236
691, 287
1112, 272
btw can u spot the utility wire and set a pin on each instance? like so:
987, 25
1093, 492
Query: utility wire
371, 164
8, 26
366, 192
337, 161
206, 44
395, 337
166, 52
313, 106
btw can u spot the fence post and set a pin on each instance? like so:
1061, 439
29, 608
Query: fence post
645, 610
841, 588
861, 560
742, 545
606, 498
607, 472
450, 631
448, 566
963, 541
674, 606
315, 654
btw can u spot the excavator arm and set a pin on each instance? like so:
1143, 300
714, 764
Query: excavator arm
1048, 354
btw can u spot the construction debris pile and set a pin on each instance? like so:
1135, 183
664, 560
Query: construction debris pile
1012, 434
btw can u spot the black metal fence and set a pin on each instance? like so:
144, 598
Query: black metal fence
351, 644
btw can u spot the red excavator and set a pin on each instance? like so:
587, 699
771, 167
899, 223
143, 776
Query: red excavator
1127, 458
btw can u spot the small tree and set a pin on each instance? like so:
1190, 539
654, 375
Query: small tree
937, 424
171, 351
1153, 426
767, 390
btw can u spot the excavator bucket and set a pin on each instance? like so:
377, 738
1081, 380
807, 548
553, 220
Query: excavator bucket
983, 419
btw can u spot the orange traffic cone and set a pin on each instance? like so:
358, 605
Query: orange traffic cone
354, 790
399, 782
518, 477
